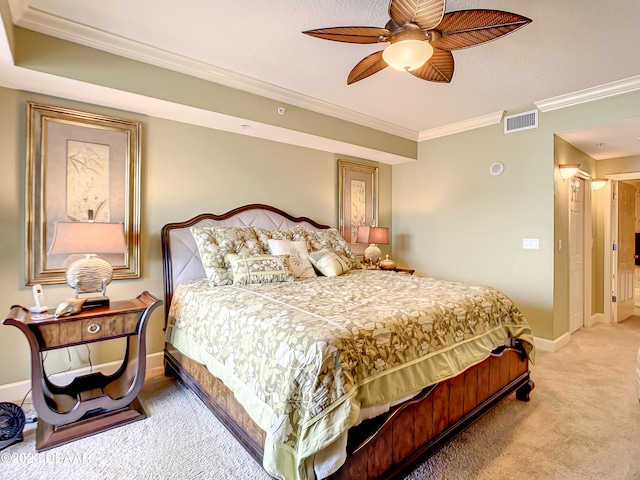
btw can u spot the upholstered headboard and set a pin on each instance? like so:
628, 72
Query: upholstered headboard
179, 250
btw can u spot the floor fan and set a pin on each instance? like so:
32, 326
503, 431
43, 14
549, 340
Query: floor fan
12, 421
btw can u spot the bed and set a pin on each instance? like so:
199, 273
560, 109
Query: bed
337, 372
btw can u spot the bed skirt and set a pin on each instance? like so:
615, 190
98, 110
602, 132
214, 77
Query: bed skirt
390, 445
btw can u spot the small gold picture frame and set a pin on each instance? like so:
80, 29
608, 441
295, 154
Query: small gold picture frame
357, 200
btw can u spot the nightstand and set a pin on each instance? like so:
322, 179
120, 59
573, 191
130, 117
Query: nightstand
408, 271
95, 402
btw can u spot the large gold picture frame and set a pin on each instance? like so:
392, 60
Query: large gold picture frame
79, 162
357, 200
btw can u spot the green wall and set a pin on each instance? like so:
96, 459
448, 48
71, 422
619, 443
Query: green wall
453, 220
61, 58
186, 170
619, 165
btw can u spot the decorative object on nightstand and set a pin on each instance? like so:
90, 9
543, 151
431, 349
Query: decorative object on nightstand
387, 264
70, 306
94, 402
374, 236
89, 274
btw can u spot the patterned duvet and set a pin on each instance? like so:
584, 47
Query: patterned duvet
304, 357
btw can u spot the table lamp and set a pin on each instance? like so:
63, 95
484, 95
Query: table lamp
90, 273
374, 236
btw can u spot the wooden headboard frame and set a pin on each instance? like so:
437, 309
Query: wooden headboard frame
180, 253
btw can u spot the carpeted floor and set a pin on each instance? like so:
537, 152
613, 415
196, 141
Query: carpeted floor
583, 422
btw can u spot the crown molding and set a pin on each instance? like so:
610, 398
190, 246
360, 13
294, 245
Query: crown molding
463, 126
26, 16
33, 19
618, 87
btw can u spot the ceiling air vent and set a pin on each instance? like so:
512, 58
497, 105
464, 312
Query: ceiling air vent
521, 121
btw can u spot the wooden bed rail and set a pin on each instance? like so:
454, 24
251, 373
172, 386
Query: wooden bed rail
391, 445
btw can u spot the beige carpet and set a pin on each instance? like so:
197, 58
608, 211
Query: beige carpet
583, 422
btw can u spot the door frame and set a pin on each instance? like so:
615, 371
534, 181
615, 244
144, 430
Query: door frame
610, 234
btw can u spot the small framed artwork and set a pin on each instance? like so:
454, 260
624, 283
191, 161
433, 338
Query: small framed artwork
81, 167
357, 200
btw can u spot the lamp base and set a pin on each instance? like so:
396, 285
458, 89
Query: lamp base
95, 302
89, 274
372, 255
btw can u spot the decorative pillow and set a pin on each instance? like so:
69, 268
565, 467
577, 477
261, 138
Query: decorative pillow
329, 263
263, 235
300, 263
210, 255
260, 269
216, 243
331, 238
295, 233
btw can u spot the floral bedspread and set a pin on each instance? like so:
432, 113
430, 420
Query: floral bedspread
304, 357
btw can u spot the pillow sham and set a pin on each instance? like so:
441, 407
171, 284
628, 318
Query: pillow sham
329, 263
248, 269
331, 238
210, 254
216, 243
264, 235
300, 263
295, 233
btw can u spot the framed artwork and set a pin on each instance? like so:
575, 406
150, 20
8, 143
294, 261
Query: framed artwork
357, 200
81, 167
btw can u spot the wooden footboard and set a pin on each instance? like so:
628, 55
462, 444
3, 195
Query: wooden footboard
390, 445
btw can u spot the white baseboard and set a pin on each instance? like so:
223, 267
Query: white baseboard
596, 318
552, 345
14, 392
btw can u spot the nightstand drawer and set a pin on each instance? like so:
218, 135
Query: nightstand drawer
64, 333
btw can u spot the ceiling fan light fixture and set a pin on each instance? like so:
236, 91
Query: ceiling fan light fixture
407, 54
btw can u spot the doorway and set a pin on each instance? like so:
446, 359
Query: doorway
622, 276
579, 252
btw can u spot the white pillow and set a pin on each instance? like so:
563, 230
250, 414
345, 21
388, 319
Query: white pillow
329, 263
299, 260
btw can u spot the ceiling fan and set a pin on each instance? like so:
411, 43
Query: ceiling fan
422, 37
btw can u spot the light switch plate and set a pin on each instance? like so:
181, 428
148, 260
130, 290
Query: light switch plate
531, 243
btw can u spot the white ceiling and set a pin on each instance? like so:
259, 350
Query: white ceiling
571, 46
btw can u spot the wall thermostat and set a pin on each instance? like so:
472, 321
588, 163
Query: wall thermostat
496, 169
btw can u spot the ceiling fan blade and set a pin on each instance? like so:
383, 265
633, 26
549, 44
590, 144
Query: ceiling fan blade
367, 67
439, 68
351, 34
466, 28
426, 13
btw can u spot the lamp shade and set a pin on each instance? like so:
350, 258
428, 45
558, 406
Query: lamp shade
363, 234
598, 183
407, 54
379, 235
88, 237
568, 171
